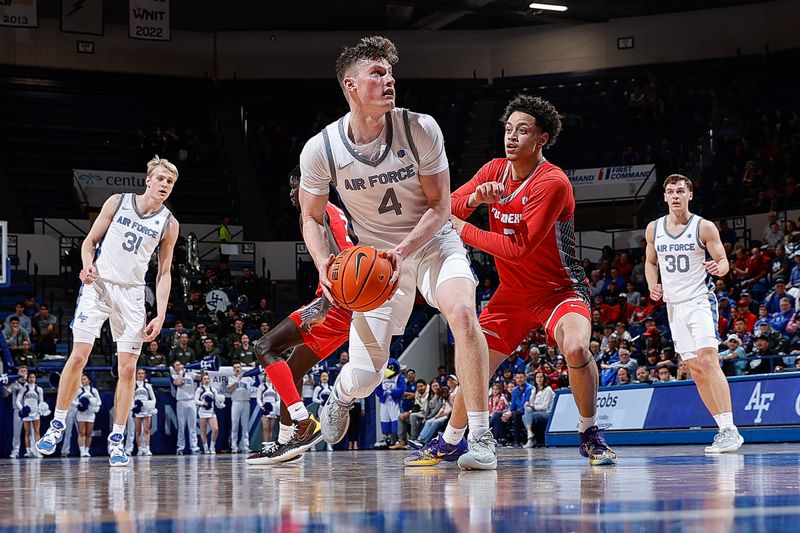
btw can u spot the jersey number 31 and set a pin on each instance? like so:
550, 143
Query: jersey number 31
133, 242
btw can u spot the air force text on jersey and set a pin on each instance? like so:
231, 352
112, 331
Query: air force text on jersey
384, 178
135, 225
677, 247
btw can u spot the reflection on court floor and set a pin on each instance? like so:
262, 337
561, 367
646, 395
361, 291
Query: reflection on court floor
666, 488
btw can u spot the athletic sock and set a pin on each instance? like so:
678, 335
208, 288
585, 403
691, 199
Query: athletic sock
724, 420
586, 423
118, 428
453, 435
478, 421
285, 433
298, 411
61, 416
282, 379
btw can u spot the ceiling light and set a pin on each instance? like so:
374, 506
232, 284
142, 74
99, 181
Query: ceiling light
547, 7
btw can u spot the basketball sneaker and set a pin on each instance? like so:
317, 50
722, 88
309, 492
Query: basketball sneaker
306, 434
335, 418
481, 453
116, 450
55, 433
593, 445
727, 440
262, 457
436, 451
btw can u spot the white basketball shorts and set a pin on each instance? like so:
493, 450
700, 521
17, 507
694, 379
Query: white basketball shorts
122, 305
694, 325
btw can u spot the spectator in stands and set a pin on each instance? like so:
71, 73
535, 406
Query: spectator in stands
745, 337
45, 330
24, 356
441, 376
623, 376
190, 311
174, 338
15, 335
643, 376
244, 352
516, 410
24, 321
430, 403
684, 373
263, 314
596, 284
182, 352
250, 285
263, 328
779, 321
537, 410
224, 277
209, 350
484, 295
664, 375
634, 296
773, 236
415, 388
433, 425
198, 337
779, 265
726, 233
743, 313
498, 404
236, 334
755, 274
223, 237
153, 356
758, 360
614, 279
773, 300
514, 363
734, 358
666, 358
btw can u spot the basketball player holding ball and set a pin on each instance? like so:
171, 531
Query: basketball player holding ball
390, 169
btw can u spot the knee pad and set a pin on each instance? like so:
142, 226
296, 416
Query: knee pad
359, 382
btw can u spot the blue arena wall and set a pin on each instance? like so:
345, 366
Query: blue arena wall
766, 408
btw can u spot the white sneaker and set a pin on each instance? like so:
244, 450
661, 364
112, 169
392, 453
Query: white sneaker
55, 434
147, 451
482, 454
727, 440
529, 444
335, 418
14, 454
117, 455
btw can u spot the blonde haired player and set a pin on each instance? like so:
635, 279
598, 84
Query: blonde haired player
130, 227
686, 250
391, 172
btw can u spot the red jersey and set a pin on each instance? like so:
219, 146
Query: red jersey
532, 232
336, 229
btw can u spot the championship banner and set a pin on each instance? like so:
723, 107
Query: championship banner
149, 20
19, 13
611, 183
95, 186
82, 16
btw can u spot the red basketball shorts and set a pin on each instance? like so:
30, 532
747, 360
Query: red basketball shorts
328, 336
510, 316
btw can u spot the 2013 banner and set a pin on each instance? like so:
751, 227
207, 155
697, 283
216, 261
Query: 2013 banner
19, 13
149, 20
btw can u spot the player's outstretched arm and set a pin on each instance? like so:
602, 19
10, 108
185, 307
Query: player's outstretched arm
99, 228
651, 264
163, 279
718, 265
312, 214
481, 189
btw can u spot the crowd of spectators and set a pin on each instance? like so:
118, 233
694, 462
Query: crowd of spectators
182, 148
30, 332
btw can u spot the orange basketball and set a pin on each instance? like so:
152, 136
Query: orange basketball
360, 278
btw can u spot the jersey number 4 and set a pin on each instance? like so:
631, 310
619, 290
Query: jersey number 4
390, 203
133, 242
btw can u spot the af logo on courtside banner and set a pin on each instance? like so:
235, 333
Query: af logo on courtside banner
759, 402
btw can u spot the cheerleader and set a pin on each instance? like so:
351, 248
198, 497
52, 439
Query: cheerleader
29, 402
87, 403
144, 407
322, 391
268, 400
205, 396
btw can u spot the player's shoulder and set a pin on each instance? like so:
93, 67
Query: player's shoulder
316, 144
416, 120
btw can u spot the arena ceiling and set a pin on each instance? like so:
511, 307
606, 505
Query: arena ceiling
373, 15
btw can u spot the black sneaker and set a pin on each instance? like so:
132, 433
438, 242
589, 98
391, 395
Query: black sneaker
306, 434
593, 445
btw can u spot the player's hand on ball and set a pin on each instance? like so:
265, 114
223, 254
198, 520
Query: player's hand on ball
712, 267
656, 292
397, 265
152, 329
324, 282
487, 193
88, 274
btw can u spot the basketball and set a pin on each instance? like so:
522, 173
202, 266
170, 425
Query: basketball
360, 278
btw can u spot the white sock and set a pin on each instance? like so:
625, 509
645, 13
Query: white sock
285, 433
478, 421
61, 416
118, 428
724, 420
213, 445
298, 411
453, 435
586, 423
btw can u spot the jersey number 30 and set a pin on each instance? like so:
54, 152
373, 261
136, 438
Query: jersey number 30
390, 203
133, 242
677, 262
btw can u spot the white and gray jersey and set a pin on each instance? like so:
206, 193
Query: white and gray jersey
243, 387
129, 242
378, 183
143, 391
186, 390
30, 396
89, 392
680, 261
200, 399
268, 395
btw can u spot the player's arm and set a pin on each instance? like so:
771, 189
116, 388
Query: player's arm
651, 264
709, 234
479, 190
312, 208
99, 228
163, 279
540, 213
